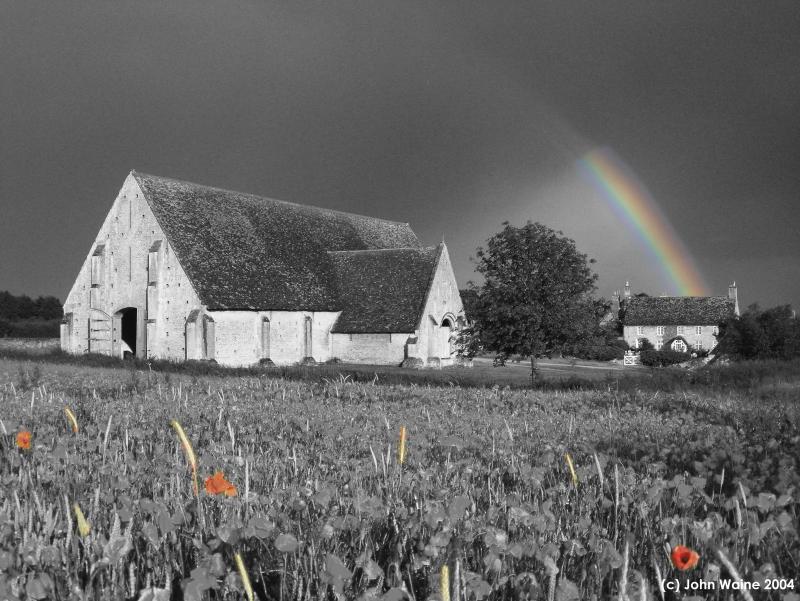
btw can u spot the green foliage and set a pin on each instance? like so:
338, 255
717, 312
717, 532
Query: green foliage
24, 317
604, 352
15, 308
469, 298
330, 513
619, 343
535, 299
761, 334
653, 358
30, 328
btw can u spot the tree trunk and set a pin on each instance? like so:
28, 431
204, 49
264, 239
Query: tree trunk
534, 373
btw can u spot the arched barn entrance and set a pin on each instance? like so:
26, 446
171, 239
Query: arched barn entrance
441, 338
126, 330
446, 342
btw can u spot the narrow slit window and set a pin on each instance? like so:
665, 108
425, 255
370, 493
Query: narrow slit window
265, 338
153, 262
98, 264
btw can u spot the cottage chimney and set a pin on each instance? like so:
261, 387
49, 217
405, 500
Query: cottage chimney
734, 296
627, 289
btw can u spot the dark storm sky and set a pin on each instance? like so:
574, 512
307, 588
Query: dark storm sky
454, 116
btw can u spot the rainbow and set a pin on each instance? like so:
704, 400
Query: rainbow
631, 201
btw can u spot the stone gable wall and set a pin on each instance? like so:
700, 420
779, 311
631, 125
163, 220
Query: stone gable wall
443, 301
128, 233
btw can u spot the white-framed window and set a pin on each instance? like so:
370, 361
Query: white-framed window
680, 329
660, 330
698, 346
698, 330
679, 345
639, 330
659, 343
715, 330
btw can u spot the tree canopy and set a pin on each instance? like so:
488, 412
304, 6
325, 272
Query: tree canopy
761, 334
24, 307
536, 297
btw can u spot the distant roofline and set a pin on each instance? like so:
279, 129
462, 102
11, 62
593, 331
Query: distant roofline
256, 196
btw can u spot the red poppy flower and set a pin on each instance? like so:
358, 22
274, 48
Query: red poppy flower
24, 440
684, 558
218, 485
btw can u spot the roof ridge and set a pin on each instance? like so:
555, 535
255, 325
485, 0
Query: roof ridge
372, 250
259, 197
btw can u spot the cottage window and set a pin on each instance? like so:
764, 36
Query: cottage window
715, 330
679, 345
698, 346
680, 329
660, 330
698, 330
639, 330
659, 343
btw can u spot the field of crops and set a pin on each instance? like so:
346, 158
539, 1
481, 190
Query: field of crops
500, 494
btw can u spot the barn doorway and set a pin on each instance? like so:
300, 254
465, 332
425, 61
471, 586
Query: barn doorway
446, 333
127, 329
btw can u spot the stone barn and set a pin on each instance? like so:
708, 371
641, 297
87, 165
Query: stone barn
183, 271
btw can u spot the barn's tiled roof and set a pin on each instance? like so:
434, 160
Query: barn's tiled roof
383, 291
247, 252
676, 310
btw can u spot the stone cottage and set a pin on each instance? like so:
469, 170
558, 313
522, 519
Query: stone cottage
183, 271
678, 323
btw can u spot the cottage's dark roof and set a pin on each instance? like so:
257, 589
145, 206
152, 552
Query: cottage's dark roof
383, 291
676, 310
243, 251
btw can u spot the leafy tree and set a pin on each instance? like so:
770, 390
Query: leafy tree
536, 296
469, 297
14, 307
761, 334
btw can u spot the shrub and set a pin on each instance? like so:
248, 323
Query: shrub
619, 343
600, 353
653, 358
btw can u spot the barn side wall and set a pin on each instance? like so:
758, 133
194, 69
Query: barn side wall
239, 336
375, 349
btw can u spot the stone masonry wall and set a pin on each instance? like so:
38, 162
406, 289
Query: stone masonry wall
376, 349
128, 234
443, 301
706, 339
